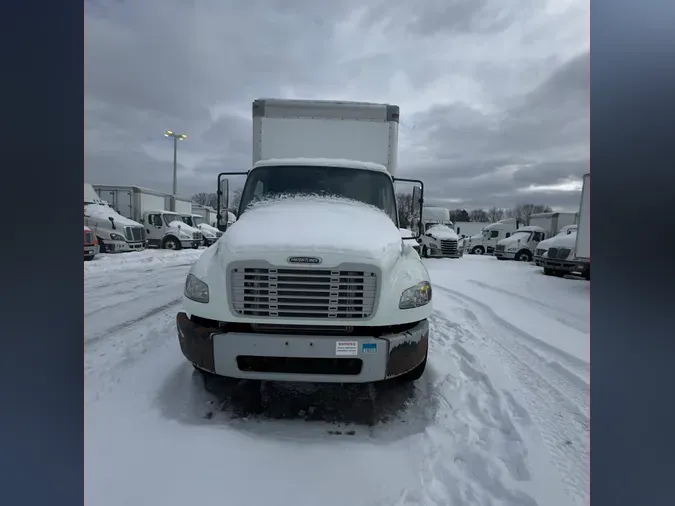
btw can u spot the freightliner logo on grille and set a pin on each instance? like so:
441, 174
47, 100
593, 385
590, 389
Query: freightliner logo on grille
304, 260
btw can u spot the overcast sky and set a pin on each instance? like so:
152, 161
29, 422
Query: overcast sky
494, 94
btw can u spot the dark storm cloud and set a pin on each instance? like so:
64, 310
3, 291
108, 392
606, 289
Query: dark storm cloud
492, 99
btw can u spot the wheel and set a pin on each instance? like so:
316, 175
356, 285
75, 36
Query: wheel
501, 258
205, 243
478, 250
102, 248
89, 258
425, 252
524, 256
548, 271
171, 243
414, 374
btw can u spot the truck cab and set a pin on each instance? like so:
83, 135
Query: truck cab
543, 246
558, 259
487, 240
209, 234
114, 233
167, 230
520, 245
439, 240
314, 281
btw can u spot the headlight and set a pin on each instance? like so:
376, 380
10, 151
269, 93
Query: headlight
433, 246
184, 236
512, 250
208, 235
415, 296
196, 289
116, 237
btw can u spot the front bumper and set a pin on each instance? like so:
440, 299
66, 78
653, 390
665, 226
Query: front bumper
91, 251
300, 357
560, 265
504, 254
436, 253
123, 246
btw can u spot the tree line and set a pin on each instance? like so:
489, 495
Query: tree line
521, 212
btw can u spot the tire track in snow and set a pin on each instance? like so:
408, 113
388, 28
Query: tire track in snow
558, 406
566, 319
473, 454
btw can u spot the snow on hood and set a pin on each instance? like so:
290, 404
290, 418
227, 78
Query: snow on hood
562, 241
104, 212
182, 225
312, 224
442, 232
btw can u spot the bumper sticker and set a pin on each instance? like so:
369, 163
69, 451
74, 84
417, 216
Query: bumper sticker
346, 347
369, 348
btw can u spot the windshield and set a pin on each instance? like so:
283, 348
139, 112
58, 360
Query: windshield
523, 236
370, 187
187, 220
486, 232
169, 217
198, 220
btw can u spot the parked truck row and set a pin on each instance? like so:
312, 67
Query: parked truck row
131, 218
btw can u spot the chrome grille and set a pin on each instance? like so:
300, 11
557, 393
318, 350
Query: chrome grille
303, 293
553, 253
196, 235
449, 247
499, 247
563, 253
134, 234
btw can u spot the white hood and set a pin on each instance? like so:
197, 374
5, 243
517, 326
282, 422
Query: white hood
562, 241
184, 227
442, 232
205, 227
104, 212
313, 225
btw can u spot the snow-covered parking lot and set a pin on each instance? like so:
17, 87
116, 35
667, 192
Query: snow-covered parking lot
500, 417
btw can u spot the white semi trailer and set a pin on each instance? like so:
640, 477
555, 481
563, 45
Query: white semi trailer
314, 281
552, 223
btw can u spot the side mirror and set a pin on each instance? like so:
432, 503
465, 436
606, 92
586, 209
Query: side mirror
112, 221
223, 203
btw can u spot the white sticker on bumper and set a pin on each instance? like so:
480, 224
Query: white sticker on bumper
346, 348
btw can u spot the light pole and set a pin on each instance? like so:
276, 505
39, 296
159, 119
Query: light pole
176, 138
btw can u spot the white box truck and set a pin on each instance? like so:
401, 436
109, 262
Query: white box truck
467, 229
552, 223
490, 235
163, 229
520, 245
114, 232
582, 248
313, 282
178, 205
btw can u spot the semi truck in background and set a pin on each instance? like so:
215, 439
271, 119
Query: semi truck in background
552, 223
487, 240
209, 234
440, 241
114, 232
163, 229
434, 216
582, 247
314, 281
543, 246
520, 245
208, 213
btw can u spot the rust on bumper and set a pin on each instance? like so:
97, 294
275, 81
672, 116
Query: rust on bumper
196, 342
408, 350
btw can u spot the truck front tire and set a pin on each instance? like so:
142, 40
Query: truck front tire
478, 250
171, 243
524, 256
